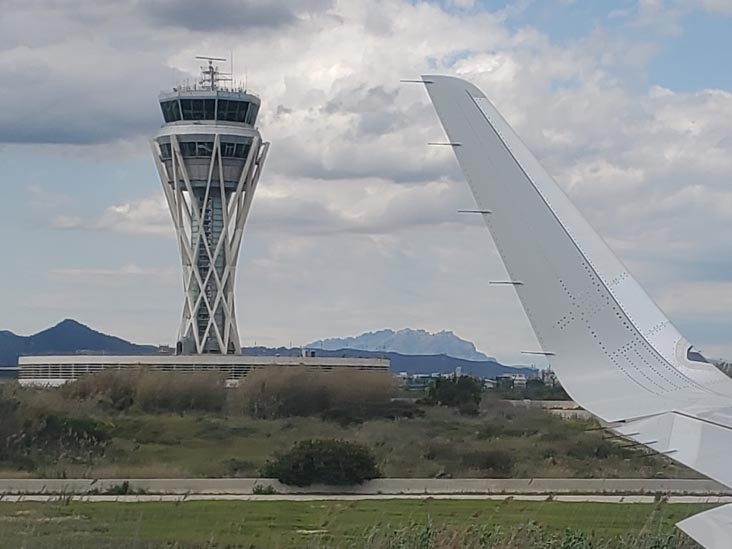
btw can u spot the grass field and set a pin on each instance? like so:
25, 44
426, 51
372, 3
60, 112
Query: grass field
442, 443
147, 424
385, 523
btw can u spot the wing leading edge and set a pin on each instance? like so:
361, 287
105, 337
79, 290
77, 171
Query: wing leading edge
613, 349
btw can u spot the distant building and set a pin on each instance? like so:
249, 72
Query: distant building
57, 370
511, 381
548, 377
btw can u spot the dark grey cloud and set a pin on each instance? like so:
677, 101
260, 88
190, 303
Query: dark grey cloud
80, 103
219, 15
228, 15
90, 72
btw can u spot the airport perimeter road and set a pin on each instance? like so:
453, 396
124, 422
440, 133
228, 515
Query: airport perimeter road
379, 487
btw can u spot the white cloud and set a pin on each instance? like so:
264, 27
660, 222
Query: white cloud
705, 297
146, 216
129, 270
716, 6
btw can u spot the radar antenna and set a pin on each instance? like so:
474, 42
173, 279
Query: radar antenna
210, 75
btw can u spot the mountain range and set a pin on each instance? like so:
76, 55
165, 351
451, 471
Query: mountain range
406, 341
71, 337
410, 364
66, 337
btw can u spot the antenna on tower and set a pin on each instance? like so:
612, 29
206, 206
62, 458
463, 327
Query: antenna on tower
210, 75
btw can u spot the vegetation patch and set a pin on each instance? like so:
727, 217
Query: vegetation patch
346, 397
462, 392
407, 524
333, 462
159, 424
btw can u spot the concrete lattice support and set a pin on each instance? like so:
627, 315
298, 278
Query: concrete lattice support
209, 217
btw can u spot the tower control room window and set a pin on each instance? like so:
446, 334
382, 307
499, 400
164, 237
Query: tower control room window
204, 148
234, 150
232, 111
227, 149
165, 151
171, 110
242, 150
252, 114
196, 149
198, 109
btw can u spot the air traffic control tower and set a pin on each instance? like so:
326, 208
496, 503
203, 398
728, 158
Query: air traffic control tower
209, 155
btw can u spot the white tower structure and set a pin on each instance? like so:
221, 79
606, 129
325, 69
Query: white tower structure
209, 155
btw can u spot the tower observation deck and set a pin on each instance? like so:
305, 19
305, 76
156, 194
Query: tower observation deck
209, 155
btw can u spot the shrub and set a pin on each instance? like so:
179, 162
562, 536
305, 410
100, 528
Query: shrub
166, 392
29, 437
113, 389
122, 489
497, 462
535, 389
262, 490
270, 393
150, 390
463, 391
348, 415
468, 409
334, 462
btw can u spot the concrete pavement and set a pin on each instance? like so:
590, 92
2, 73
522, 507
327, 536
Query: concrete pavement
378, 487
147, 498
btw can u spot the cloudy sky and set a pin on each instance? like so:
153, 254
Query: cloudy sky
354, 227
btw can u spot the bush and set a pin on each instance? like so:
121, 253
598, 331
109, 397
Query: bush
262, 490
166, 392
348, 415
29, 437
458, 392
271, 393
122, 489
150, 391
112, 389
334, 462
469, 409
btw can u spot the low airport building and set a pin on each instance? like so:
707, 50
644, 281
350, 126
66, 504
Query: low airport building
50, 371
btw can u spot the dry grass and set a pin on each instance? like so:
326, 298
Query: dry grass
275, 393
150, 391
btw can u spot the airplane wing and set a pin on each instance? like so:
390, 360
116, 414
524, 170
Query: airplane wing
611, 347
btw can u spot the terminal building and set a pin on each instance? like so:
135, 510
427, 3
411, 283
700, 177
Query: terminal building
52, 371
209, 155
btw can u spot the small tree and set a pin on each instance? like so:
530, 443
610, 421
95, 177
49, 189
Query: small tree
335, 462
459, 392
